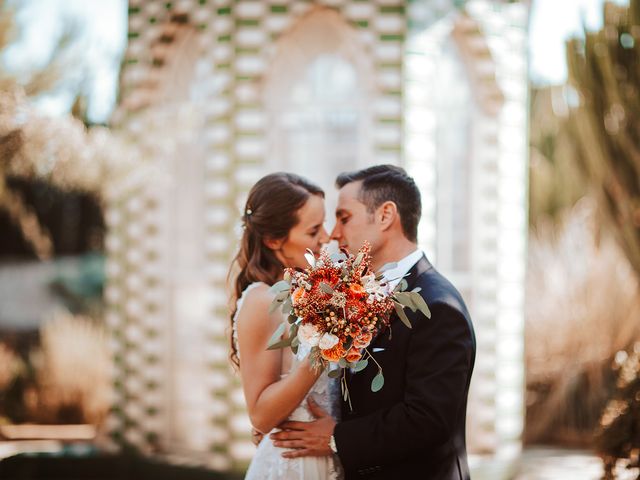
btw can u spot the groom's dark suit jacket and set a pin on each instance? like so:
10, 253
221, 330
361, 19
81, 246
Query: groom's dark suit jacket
415, 426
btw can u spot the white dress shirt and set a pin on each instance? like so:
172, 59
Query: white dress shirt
394, 275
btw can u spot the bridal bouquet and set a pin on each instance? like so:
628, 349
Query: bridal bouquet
336, 307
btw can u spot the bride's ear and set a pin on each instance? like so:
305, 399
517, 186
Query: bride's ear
274, 244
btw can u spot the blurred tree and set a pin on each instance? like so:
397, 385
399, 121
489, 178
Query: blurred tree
12, 200
604, 70
619, 433
555, 183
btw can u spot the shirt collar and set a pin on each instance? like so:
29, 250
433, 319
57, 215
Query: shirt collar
394, 275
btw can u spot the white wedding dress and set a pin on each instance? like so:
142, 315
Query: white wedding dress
268, 463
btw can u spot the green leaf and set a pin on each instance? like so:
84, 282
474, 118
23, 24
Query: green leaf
281, 344
342, 363
287, 306
421, 305
358, 259
326, 288
378, 382
361, 365
417, 289
403, 316
402, 286
274, 305
277, 335
406, 300
292, 318
334, 373
295, 342
280, 286
281, 296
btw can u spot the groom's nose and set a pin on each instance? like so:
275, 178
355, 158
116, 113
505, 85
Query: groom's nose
335, 233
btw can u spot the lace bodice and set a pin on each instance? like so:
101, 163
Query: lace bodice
268, 463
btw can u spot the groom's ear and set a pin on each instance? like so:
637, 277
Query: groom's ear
273, 243
387, 214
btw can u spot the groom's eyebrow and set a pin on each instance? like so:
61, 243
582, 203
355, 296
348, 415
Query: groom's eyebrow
340, 212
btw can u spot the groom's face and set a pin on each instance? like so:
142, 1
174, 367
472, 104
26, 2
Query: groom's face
354, 224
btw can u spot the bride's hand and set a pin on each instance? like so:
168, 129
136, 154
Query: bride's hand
256, 436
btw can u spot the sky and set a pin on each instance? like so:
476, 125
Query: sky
101, 29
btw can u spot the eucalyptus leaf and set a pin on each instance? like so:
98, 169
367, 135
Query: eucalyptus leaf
274, 305
295, 342
281, 344
292, 318
361, 365
277, 335
334, 373
405, 299
280, 286
281, 296
287, 306
378, 382
401, 315
358, 259
417, 289
402, 286
421, 305
326, 288
294, 349
293, 330
342, 363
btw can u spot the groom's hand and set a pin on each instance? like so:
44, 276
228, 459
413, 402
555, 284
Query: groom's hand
309, 439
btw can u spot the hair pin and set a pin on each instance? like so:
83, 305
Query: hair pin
249, 211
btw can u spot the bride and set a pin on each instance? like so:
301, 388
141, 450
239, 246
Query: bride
283, 217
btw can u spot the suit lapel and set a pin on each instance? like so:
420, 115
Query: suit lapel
414, 273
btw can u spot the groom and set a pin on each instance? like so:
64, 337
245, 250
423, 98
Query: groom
415, 426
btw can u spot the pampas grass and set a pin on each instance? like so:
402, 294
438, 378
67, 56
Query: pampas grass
582, 307
72, 372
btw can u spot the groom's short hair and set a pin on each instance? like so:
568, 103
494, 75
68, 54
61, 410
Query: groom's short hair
382, 183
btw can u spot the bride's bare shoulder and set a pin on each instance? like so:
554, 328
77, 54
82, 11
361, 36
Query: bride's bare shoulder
256, 303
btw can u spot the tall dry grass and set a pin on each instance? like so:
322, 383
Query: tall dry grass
583, 305
72, 369
10, 366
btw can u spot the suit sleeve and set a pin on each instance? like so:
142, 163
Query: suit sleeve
439, 363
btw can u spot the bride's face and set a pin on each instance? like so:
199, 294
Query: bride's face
309, 233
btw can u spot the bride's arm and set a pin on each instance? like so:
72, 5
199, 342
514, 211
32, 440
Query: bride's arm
270, 398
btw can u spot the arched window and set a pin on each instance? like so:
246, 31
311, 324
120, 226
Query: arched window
316, 98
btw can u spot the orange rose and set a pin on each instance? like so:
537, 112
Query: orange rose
362, 340
333, 354
356, 289
298, 295
353, 355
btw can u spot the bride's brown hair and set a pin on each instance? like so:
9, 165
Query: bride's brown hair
271, 212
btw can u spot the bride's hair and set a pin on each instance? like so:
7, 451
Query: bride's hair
271, 212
